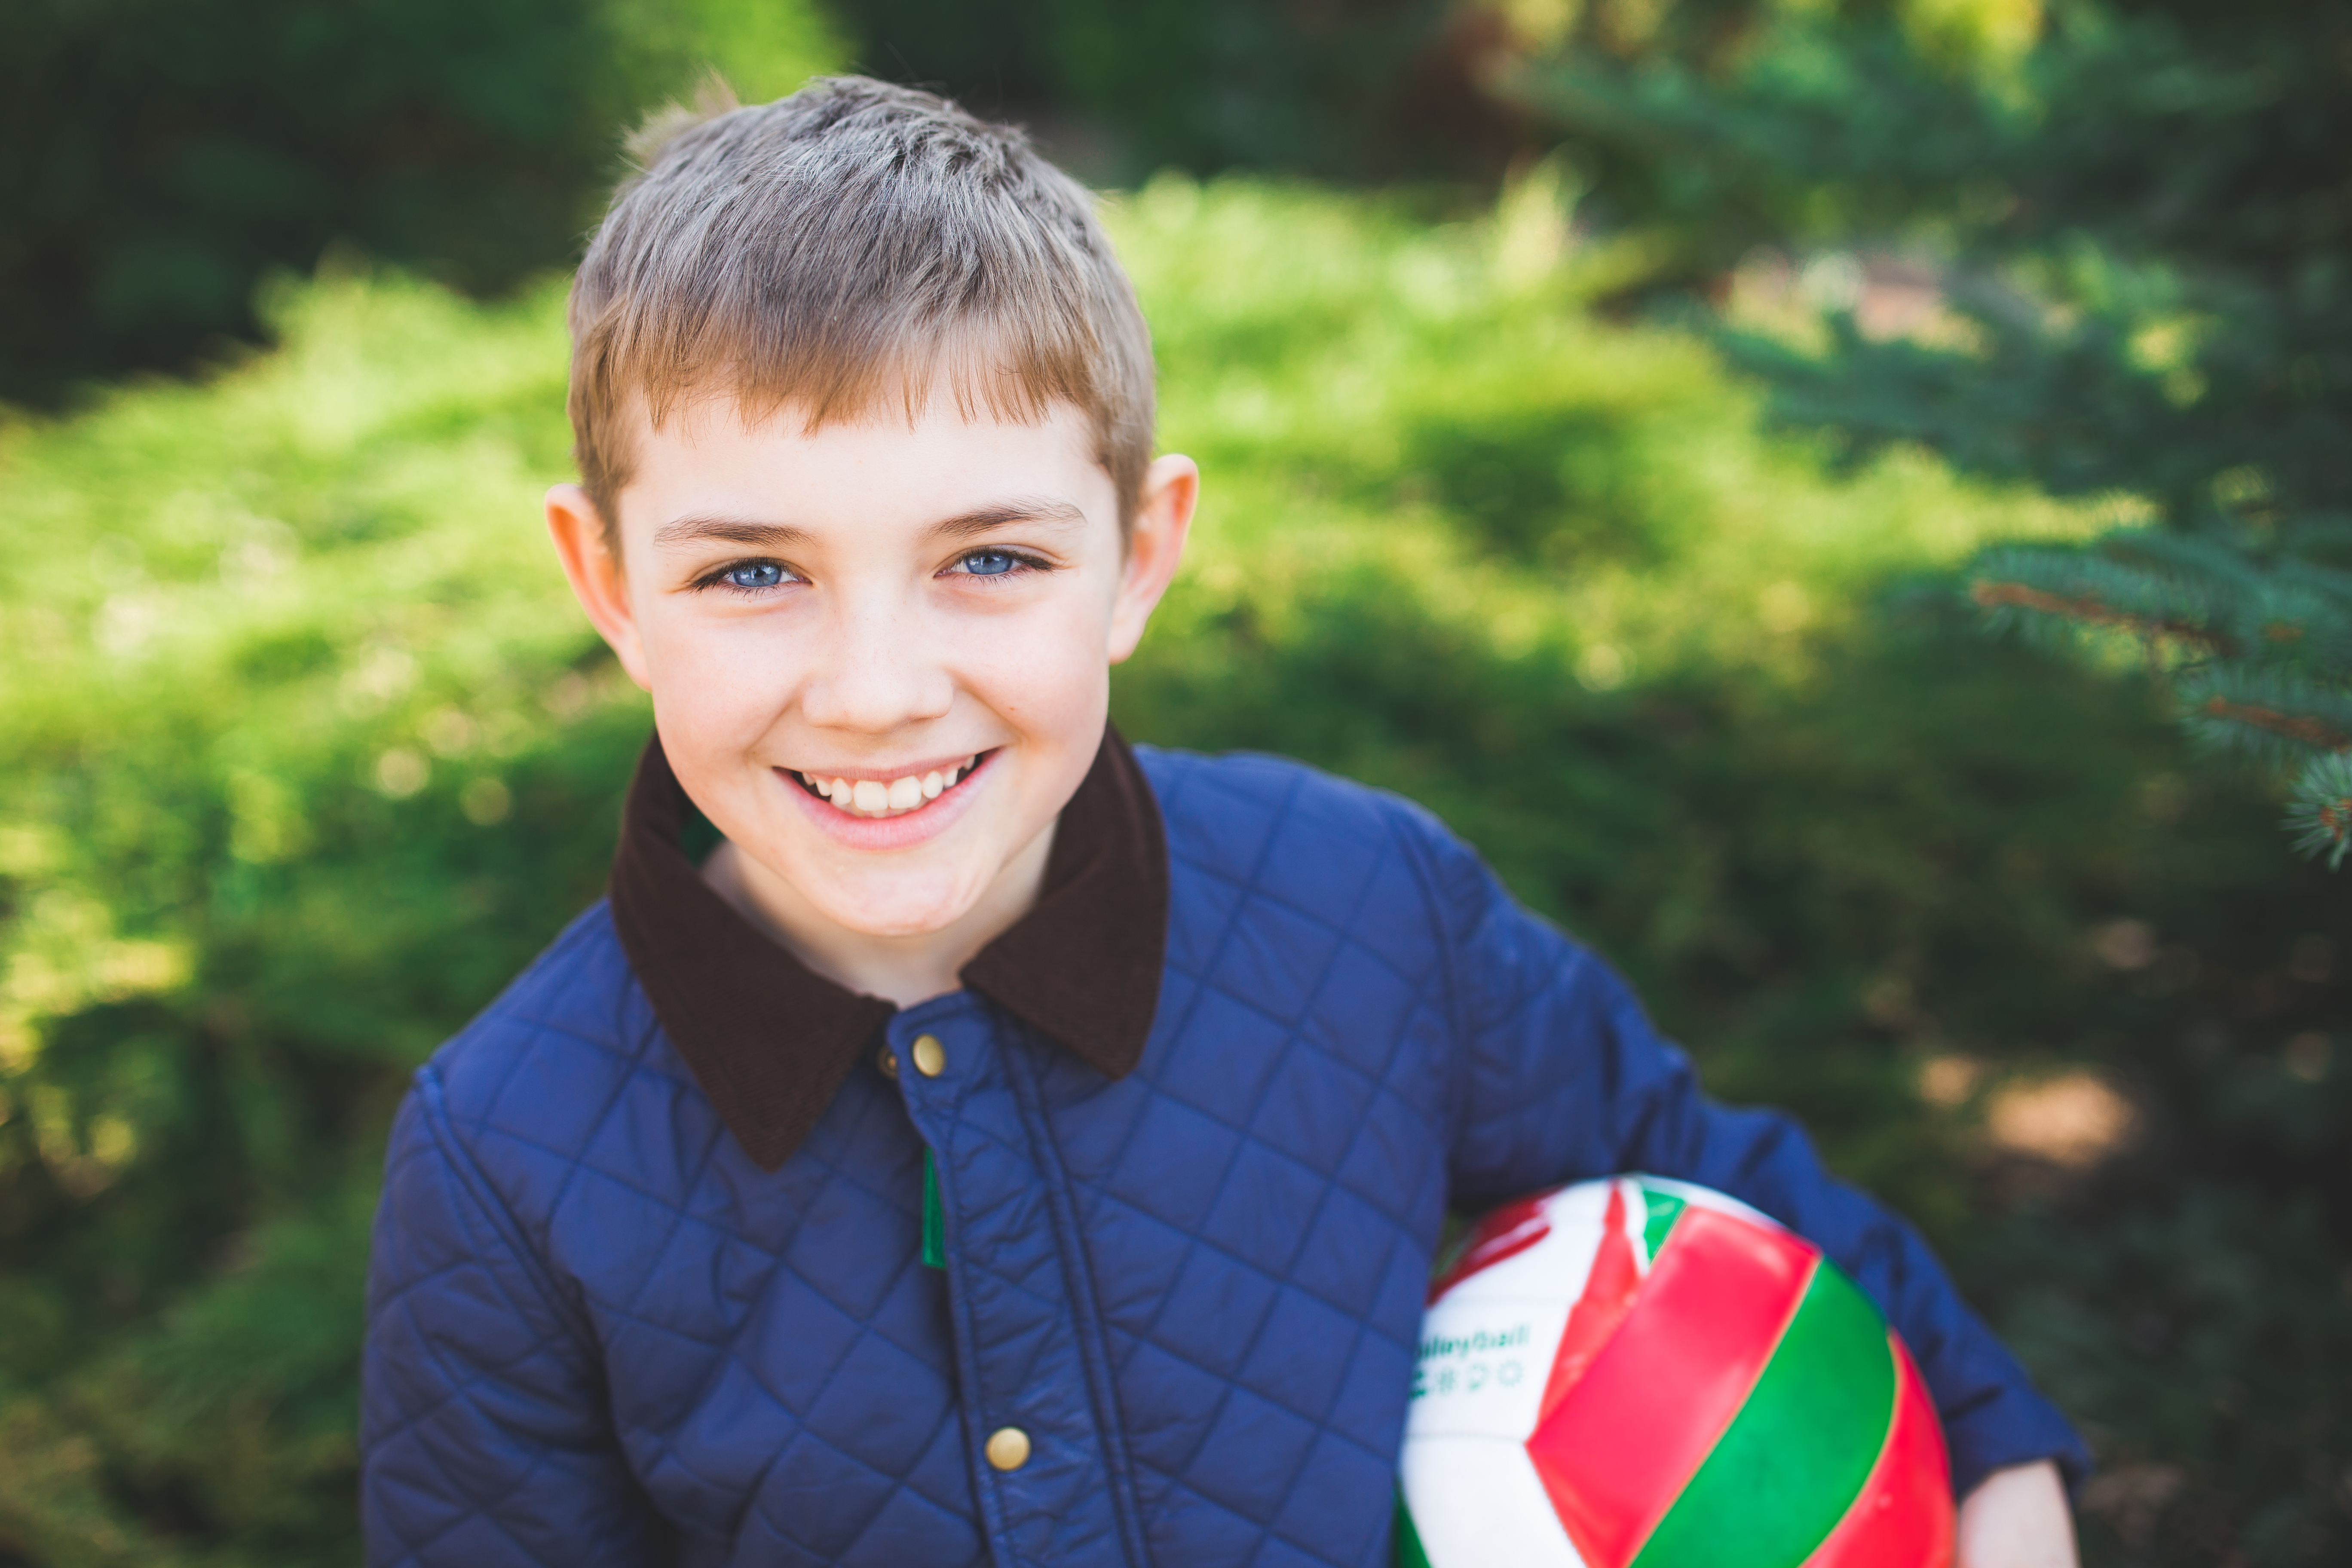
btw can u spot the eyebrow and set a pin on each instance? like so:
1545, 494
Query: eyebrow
758, 535
1016, 508
729, 530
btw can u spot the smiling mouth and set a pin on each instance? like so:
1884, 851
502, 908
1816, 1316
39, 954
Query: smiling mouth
889, 797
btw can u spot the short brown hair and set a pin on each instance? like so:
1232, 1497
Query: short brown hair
851, 244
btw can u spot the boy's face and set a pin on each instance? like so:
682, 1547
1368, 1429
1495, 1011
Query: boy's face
879, 654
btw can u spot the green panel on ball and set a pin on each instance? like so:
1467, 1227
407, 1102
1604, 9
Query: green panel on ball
1795, 1458
1409, 1552
1664, 1209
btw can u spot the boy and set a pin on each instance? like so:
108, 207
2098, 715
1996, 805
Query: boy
1004, 1146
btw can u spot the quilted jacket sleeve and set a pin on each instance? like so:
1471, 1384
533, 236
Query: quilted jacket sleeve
1567, 1079
483, 1429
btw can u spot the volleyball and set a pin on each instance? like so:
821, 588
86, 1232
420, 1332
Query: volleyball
1643, 1374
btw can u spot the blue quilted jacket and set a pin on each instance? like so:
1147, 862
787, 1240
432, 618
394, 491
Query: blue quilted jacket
599, 1333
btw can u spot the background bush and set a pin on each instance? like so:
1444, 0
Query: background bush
165, 154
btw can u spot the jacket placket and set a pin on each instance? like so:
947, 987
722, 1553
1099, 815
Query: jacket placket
1039, 1425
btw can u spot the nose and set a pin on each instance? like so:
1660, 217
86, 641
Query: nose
876, 672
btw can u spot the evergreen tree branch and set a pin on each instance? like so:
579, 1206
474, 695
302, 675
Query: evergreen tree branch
2320, 815
2280, 713
2296, 727
1992, 594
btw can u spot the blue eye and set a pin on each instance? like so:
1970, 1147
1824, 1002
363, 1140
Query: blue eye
754, 575
989, 563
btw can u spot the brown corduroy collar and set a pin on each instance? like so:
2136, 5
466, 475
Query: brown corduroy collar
770, 1040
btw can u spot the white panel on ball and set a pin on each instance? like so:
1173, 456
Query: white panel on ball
1479, 1504
1483, 1366
1554, 1268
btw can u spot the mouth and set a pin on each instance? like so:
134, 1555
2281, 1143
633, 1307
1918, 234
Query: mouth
877, 799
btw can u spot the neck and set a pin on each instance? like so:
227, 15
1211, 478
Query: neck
903, 969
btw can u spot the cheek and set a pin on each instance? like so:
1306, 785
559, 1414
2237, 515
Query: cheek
1048, 679
715, 684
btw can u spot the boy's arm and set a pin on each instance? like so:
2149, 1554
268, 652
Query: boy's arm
484, 1436
1566, 1079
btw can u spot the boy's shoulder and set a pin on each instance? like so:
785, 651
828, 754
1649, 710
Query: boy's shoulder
542, 1063
1351, 854
1237, 812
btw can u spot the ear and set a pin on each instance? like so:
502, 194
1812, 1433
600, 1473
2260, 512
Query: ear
597, 580
1163, 520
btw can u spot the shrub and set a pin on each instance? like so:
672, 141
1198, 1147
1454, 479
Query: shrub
167, 152
311, 752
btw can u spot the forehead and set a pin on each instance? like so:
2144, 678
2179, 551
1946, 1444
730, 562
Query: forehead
906, 459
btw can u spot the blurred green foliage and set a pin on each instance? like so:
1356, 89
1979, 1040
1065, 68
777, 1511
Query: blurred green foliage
1348, 89
166, 153
2123, 227
275, 648
309, 752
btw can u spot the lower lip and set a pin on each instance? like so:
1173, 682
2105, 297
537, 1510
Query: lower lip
872, 833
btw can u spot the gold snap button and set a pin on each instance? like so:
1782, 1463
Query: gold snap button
930, 1061
1008, 1446
889, 1063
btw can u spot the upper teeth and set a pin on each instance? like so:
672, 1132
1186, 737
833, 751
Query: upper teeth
877, 797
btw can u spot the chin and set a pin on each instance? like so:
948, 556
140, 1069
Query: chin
913, 907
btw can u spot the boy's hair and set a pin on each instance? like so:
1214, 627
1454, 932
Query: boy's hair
850, 246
